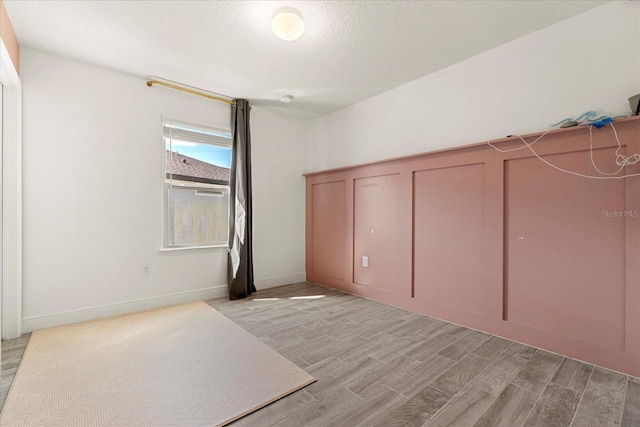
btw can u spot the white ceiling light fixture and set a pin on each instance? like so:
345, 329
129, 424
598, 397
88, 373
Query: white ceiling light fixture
286, 99
287, 24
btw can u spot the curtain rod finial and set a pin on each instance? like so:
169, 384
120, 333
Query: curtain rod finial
149, 83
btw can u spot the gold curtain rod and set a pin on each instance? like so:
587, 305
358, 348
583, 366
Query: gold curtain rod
150, 83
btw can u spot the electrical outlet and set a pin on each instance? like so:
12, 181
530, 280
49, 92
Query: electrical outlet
146, 270
365, 261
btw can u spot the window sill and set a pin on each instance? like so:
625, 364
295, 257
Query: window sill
219, 248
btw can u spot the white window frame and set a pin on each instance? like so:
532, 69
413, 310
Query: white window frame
168, 183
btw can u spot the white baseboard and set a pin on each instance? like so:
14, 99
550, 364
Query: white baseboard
30, 324
280, 281
34, 323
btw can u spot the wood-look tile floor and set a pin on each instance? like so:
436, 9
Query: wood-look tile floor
382, 366
12, 351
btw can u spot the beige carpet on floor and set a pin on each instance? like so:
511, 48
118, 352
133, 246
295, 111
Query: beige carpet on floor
174, 366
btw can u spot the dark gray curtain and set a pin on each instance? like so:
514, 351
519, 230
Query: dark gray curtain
240, 211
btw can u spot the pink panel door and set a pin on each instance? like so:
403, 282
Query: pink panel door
328, 229
449, 238
376, 234
565, 248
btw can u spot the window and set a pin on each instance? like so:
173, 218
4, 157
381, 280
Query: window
197, 162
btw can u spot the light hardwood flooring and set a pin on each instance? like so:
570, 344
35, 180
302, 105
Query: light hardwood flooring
382, 366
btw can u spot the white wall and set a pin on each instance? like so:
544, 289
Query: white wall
93, 195
591, 61
93, 165
279, 149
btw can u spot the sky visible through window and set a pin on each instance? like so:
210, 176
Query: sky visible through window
212, 154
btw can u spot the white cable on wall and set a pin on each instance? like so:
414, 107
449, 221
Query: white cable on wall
621, 160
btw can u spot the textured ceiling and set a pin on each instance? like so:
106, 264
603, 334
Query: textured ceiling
350, 51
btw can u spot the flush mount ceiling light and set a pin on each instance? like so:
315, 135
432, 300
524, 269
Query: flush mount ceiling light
286, 99
287, 24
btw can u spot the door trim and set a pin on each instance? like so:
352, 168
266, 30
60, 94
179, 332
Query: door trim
12, 197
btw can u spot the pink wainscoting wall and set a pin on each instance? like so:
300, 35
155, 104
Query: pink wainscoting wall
372, 237
328, 229
499, 242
